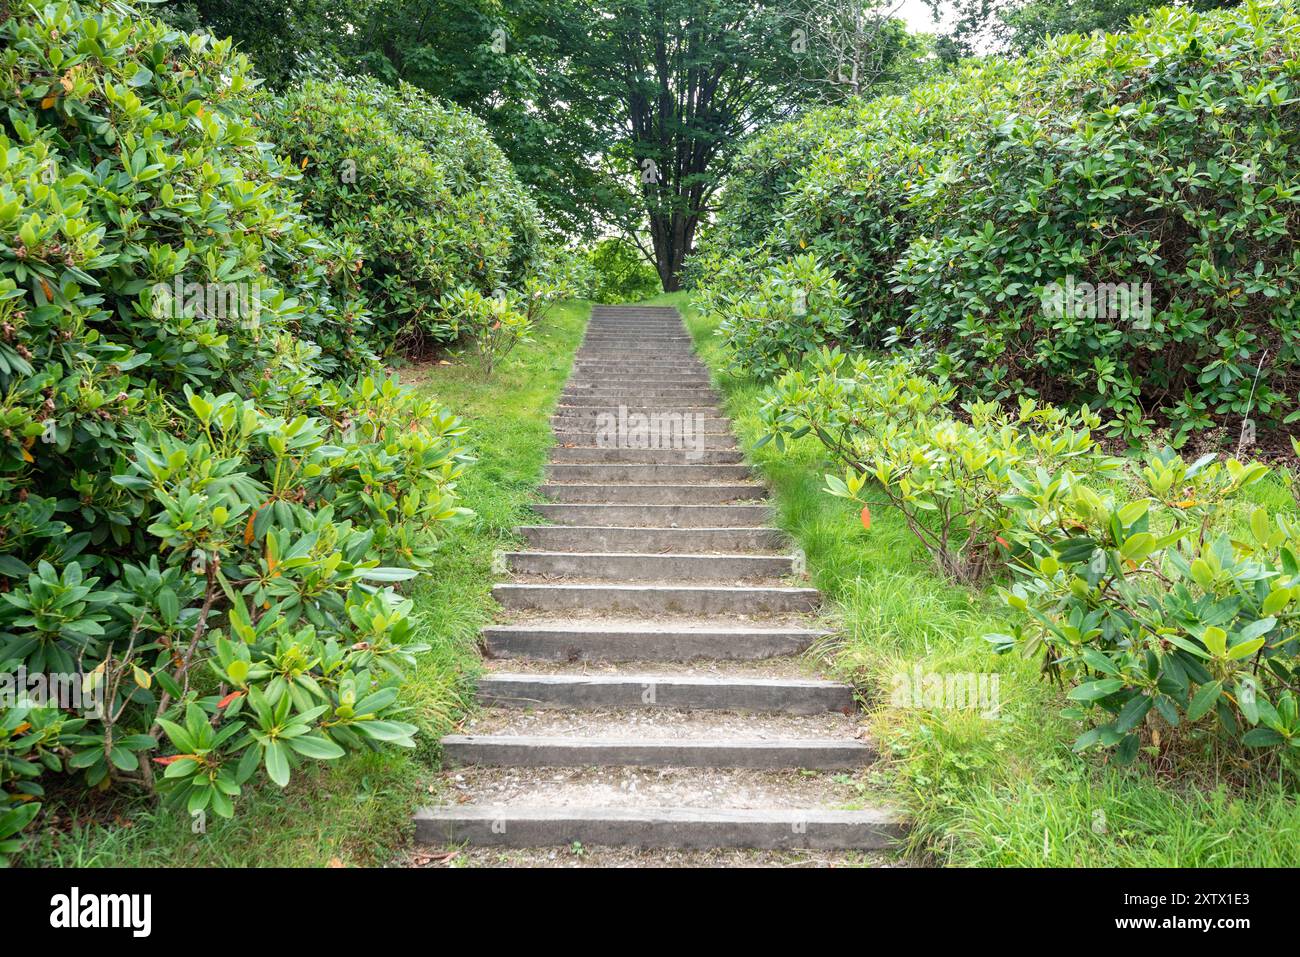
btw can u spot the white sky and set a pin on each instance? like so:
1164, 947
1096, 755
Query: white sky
916, 14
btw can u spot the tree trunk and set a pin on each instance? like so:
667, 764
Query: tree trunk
673, 238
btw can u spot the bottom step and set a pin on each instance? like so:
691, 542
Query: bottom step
512, 826
533, 751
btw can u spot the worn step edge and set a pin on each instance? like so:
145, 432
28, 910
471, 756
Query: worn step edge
633, 566
787, 695
672, 439
658, 599
648, 474
623, 493
591, 455
657, 516
559, 643
524, 751
643, 539
662, 827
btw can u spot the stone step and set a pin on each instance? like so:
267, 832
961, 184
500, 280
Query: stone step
634, 355
703, 395
591, 455
626, 313
530, 751
666, 367
669, 437
706, 417
628, 566
661, 827
586, 640
648, 474
641, 388
631, 349
658, 516
652, 494
641, 373
657, 599
791, 695
697, 423
683, 358
607, 380
642, 403
617, 337
696, 541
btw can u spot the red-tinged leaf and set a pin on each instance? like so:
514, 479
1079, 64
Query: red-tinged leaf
225, 702
248, 529
866, 518
173, 759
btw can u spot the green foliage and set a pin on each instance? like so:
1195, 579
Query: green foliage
32, 740
493, 324
1164, 624
771, 321
418, 187
835, 182
1165, 621
667, 89
1186, 188
206, 494
972, 24
887, 424
620, 273
1161, 156
766, 168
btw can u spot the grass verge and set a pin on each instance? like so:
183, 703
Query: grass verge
356, 811
1008, 790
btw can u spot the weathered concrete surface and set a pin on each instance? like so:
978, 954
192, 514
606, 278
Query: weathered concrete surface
666, 558
500, 750
655, 600
649, 474
586, 640
631, 567
512, 826
792, 695
658, 516
651, 494
613, 538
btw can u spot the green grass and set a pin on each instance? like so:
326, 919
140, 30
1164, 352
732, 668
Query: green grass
993, 792
356, 811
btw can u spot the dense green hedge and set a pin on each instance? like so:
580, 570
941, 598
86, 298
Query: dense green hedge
419, 187
1164, 155
206, 483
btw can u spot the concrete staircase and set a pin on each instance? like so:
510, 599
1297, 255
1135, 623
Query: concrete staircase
653, 626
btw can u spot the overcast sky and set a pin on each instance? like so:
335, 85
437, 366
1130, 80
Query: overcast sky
917, 16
